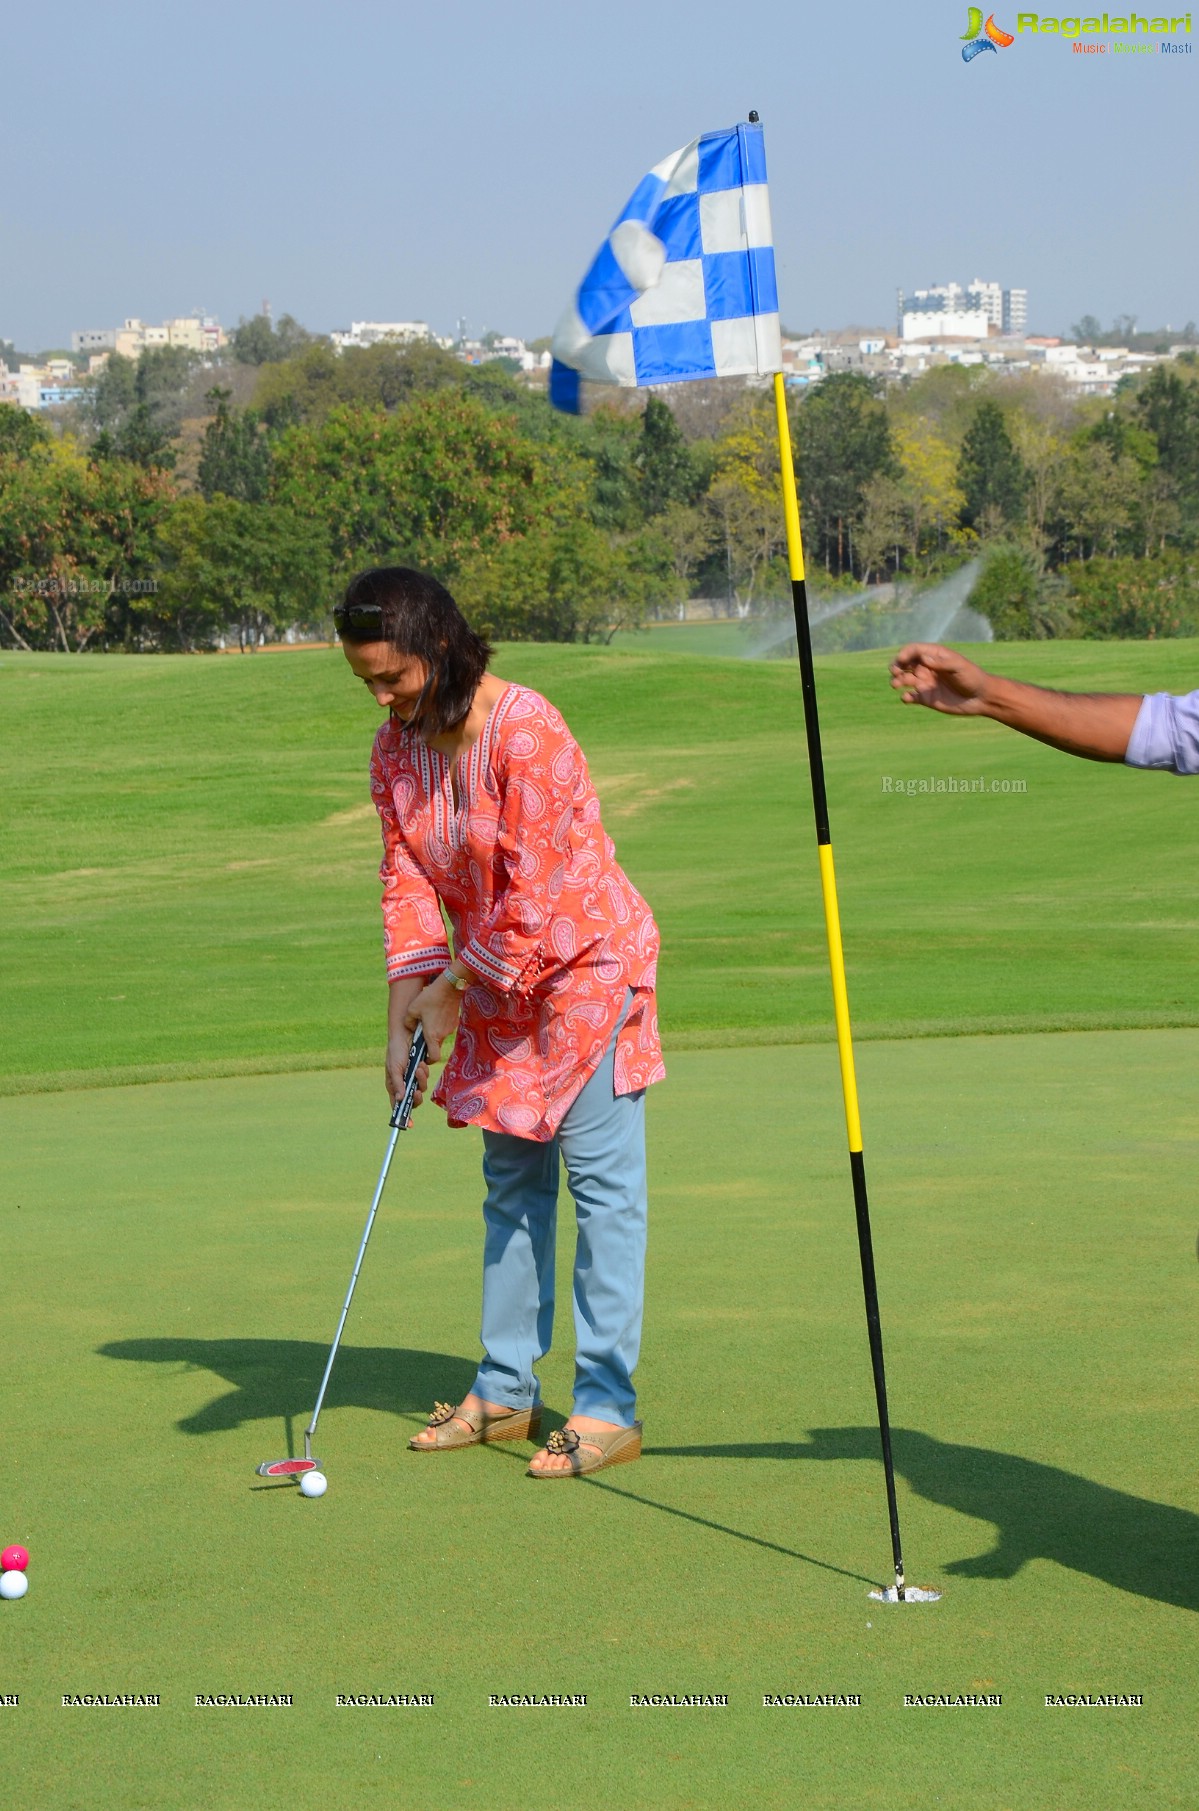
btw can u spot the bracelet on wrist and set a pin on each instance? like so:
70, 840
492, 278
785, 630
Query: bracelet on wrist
459, 983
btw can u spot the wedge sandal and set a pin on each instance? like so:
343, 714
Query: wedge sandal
480, 1430
591, 1451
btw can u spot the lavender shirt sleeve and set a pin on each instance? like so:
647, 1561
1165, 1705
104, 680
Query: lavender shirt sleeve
1166, 733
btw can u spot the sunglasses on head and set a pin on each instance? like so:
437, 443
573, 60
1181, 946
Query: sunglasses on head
358, 619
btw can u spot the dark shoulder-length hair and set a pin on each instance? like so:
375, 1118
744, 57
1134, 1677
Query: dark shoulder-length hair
419, 618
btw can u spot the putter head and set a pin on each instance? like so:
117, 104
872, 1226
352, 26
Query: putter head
285, 1468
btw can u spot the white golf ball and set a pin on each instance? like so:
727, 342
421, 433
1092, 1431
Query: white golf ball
314, 1483
15, 1584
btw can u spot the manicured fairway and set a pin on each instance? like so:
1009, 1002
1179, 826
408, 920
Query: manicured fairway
174, 1257
719, 638
187, 856
187, 898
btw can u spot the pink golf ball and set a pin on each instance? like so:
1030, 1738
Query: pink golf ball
14, 1559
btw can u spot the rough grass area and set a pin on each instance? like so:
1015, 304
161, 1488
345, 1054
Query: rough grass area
187, 855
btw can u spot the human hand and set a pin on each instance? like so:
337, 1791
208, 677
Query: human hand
435, 1008
926, 673
399, 1046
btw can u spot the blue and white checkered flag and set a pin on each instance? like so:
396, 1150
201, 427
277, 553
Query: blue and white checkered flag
684, 284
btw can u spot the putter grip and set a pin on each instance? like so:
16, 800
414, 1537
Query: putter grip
401, 1113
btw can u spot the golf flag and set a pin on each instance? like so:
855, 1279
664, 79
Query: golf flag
683, 286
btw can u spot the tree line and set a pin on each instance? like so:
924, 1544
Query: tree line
183, 506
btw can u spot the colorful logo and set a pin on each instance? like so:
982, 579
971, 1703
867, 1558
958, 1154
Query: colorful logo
995, 37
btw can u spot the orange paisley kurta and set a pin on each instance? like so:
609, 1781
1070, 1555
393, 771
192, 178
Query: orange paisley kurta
541, 910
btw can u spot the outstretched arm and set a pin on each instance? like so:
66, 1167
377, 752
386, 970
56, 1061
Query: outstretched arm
1095, 725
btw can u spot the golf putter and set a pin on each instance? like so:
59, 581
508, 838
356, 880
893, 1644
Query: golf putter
401, 1116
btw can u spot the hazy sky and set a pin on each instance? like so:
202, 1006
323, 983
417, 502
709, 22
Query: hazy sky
394, 161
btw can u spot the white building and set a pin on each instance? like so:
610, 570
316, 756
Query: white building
985, 298
500, 345
374, 333
22, 387
956, 324
1093, 370
939, 298
1004, 309
1015, 312
504, 345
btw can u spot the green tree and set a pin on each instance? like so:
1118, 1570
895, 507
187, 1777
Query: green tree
21, 432
689, 534
940, 401
113, 390
1017, 598
991, 474
235, 458
1167, 404
140, 438
1134, 599
1121, 434
257, 342
609, 440
438, 482
253, 341
230, 567
77, 542
566, 582
1043, 453
884, 526
744, 505
664, 460
304, 388
647, 579
843, 440
1099, 497
138, 406
748, 526
161, 377
931, 500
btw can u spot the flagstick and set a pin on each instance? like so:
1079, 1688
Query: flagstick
832, 921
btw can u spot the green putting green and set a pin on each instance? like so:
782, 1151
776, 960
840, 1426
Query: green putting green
188, 894
174, 1260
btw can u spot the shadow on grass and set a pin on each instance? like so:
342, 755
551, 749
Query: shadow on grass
737, 1534
1150, 1549
276, 1379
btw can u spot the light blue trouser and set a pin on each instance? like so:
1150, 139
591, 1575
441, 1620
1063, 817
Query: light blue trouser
602, 1142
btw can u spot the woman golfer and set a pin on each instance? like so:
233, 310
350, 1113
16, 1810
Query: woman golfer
488, 813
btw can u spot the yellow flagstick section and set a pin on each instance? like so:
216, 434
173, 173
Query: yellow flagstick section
828, 880
836, 957
790, 496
